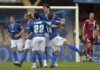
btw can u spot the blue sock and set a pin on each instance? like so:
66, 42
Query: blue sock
23, 57
15, 55
33, 57
43, 56
74, 48
54, 59
39, 58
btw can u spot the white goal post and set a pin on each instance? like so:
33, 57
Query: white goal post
76, 8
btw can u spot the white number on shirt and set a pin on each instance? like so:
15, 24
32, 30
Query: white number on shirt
38, 28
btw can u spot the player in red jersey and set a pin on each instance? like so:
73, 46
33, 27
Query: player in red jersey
88, 34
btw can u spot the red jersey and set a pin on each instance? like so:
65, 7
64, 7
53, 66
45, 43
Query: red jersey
89, 26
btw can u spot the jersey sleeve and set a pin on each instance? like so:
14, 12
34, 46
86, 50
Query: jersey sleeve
47, 23
56, 22
20, 27
30, 27
57, 18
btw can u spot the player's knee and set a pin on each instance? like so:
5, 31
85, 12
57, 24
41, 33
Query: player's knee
26, 50
89, 44
20, 50
41, 51
14, 48
36, 51
56, 52
65, 42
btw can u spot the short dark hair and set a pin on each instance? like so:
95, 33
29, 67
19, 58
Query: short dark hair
36, 15
12, 16
50, 15
46, 5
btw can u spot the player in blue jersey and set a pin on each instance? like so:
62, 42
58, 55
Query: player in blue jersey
44, 16
15, 31
56, 40
38, 42
28, 39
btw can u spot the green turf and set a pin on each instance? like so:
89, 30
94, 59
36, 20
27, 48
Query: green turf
62, 66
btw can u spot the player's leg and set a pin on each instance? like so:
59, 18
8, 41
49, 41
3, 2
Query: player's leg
42, 51
55, 53
14, 52
89, 49
19, 44
25, 51
46, 47
34, 51
73, 47
55, 44
34, 59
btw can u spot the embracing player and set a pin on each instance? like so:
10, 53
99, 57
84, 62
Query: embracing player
38, 42
44, 16
27, 38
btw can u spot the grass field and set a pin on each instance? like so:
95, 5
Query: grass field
62, 66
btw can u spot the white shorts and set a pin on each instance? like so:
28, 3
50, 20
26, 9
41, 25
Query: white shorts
56, 43
38, 44
28, 43
17, 43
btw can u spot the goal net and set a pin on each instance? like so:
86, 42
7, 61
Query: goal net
69, 30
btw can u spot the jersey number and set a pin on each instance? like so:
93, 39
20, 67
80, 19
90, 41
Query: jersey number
38, 28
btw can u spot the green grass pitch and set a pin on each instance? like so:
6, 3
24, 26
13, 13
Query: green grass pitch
62, 66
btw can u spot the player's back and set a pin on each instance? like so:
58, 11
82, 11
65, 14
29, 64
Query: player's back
39, 28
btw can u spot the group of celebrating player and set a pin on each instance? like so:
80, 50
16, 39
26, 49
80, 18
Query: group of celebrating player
43, 27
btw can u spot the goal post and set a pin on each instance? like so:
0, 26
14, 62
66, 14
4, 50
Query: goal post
76, 8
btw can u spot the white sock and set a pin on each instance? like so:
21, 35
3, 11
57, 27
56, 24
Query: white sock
45, 63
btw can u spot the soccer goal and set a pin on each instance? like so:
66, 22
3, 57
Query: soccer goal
70, 13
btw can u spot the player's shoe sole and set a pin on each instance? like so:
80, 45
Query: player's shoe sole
18, 65
52, 66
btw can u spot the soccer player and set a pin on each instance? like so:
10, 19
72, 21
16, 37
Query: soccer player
44, 16
28, 39
88, 35
55, 43
56, 40
15, 31
38, 42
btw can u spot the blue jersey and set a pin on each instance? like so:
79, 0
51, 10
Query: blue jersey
38, 27
44, 16
28, 28
53, 32
14, 29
